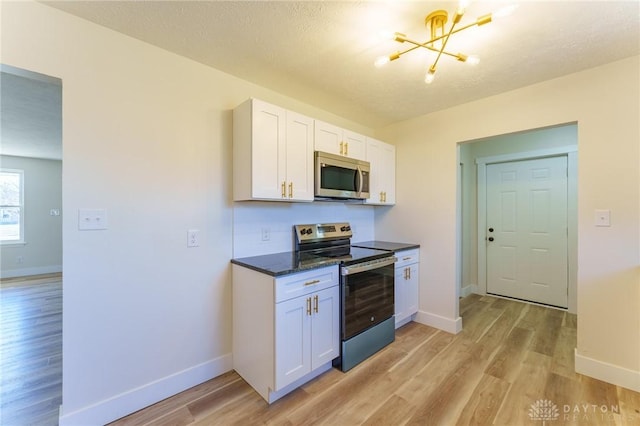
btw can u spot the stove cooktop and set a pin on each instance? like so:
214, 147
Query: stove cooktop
332, 240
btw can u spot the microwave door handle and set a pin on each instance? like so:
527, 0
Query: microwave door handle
358, 179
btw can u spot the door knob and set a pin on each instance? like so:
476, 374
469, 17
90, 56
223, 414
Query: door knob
490, 238
490, 229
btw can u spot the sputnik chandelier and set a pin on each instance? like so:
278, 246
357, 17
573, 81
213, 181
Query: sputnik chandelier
436, 22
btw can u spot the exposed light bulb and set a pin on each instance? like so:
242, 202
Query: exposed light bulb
473, 60
462, 6
504, 12
430, 76
386, 35
381, 61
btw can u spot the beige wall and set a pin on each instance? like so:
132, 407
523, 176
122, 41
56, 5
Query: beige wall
147, 136
604, 102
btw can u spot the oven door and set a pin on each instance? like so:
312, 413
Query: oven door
367, 295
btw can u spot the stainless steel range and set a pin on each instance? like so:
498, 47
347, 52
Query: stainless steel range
366, 289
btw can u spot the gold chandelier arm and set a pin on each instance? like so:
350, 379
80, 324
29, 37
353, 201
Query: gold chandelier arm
444, 43
480, 21
426, 46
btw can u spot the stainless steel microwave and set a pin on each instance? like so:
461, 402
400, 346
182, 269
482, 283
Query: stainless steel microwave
341, 177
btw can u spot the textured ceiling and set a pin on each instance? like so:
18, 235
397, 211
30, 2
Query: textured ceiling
323, 52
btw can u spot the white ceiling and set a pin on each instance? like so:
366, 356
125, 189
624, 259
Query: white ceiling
322, 53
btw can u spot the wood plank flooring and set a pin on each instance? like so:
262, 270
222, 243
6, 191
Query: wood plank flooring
509, 356
511, 359
30, 350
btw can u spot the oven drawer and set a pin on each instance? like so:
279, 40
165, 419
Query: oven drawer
301, 283
407, 257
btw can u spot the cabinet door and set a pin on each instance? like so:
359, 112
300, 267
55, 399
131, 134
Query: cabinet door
411, 290
268, 150
399, 294
325, 326
292, 340
299, 161
382, 157
406, 291
387, 164
375, 178
355, 145
327, 138
335, 140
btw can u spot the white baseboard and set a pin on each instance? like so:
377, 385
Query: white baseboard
133, 400
453, 326
12, 273
606, 372
469, 289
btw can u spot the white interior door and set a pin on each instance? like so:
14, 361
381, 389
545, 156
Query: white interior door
527, 230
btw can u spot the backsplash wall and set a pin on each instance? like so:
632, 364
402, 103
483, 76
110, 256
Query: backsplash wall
250, 218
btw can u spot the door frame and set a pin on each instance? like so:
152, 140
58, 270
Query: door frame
571, 152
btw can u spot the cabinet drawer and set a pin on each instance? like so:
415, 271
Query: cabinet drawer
302, 283
407, 257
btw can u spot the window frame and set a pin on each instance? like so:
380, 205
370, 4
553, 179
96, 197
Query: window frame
21, 206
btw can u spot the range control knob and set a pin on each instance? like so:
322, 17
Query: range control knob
307, 231
343, 228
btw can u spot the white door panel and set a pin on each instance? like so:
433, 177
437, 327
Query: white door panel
527, 220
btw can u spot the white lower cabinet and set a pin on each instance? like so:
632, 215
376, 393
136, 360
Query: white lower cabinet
305, 335
285, 329
407, 281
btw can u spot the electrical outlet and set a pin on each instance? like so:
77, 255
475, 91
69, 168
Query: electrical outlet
266, 234
54, 212
193, 238
603, 218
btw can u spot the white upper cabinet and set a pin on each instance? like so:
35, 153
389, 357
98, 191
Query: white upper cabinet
382, 186
272, 153
335, 140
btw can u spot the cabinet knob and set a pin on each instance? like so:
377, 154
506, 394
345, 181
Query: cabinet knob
315, 303
490, 238
283, 189
346, 148
309, 306
291, 190
342, 148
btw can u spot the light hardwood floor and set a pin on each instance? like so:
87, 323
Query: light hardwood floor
30, 350
511, 357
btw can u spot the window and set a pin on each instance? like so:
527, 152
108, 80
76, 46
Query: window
11, 206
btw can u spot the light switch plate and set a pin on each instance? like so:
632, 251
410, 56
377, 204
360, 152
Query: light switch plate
193, 238
92, 219
603, 218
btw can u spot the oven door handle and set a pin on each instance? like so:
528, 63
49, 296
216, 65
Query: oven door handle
367, 266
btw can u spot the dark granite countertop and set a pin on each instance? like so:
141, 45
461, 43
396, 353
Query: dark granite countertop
284, 263
386, 245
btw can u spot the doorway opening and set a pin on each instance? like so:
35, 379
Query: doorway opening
492, 266
30, 247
